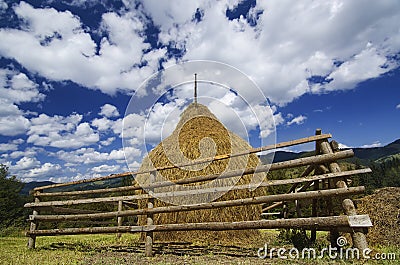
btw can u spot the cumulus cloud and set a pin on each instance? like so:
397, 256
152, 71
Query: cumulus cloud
297, 120
92, 156
106, 169
8, 147
64, 50
292, 42
25, 163
16, 88
61, 132
109, 111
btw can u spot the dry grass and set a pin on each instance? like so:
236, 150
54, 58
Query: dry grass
199, 135
383, 207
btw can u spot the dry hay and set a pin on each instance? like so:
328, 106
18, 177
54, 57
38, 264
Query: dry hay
383, 207
198, 135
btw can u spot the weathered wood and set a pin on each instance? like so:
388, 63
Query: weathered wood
321, 223
200, 191
84, 192
275, 166
272, 206
33, 227
119, 218
200, 161
305, 173
211, 205
150, 222
358, 235
55, 209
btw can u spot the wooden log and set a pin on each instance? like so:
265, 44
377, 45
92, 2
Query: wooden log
305, 173
206, 160
84, 192
119, 218
211, 205
200, 191
33, 227
150, 222
320, 223
55, 209
273, 206
358, 235
264, 168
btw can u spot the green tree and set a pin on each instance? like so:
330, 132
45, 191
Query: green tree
12, 211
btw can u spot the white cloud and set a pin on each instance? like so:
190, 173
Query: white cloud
92, 156
374, 144
108, 141
289, 43
64, 50
106, 169
3, 5
294, 41
109, 111
8, 147
61, 132
297, 120
25, 163
17, 87
46, 170
398, 106
12, 124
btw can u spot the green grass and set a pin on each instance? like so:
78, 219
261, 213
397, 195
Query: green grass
107, 249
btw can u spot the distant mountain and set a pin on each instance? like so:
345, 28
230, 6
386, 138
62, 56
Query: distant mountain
33, 184
109, 183
363, 155
376, 153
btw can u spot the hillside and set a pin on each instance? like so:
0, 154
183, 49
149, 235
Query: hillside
363, 155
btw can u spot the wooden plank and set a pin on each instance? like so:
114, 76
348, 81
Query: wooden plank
307, 223
206, 160
263, 168
362, 220
200, 191
211, 205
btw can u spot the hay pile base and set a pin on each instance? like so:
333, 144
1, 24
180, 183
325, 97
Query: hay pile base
198, 135
383, 207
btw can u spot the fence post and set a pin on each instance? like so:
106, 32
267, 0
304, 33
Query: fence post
149, 234
119, 218
358, 235
33, 227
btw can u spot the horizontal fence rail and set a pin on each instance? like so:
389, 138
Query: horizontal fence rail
211, 205
310, 222
210, 159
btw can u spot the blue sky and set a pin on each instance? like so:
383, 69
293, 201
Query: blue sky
68, 70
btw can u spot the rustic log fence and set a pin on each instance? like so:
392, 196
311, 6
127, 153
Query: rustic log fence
327, 182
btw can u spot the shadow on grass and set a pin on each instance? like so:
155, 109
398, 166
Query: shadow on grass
172, 248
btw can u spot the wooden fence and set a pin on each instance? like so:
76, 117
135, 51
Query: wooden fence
322, 180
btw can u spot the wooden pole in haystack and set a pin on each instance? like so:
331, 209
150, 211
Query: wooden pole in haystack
195, 88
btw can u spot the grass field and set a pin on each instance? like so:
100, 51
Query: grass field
107, 249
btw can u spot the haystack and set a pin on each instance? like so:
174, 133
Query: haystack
383, 207
199, 134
